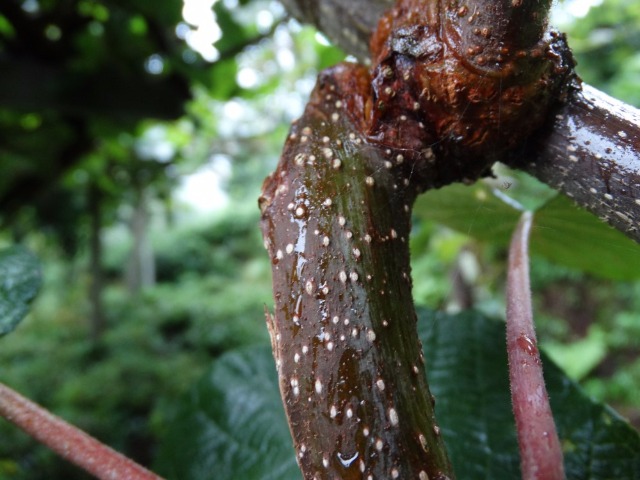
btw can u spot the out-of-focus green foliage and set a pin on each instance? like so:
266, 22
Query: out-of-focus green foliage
76, 74
213, 280
606, 43
236, 411
156, 344
561, 232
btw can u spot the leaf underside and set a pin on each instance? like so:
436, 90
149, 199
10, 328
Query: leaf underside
232, 424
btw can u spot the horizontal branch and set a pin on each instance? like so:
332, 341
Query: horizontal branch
590, 152
69, 442
348, 24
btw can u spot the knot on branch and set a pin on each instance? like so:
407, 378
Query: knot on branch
467, 83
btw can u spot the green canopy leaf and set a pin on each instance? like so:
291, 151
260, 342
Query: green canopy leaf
20, 280
473, 210
232, 424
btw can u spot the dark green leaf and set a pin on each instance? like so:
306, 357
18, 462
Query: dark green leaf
467, 371
20, 280
232, 424
473, 210
573, 237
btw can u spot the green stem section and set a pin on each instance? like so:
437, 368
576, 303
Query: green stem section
336, 222
68, 441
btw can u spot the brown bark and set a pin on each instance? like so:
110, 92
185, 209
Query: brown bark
453, 88
445, 76
336, 221
606, 177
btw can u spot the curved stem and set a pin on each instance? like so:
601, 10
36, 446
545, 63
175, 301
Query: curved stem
540, 451
68, 441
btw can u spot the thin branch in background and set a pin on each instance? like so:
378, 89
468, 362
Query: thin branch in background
540, 450
68, 441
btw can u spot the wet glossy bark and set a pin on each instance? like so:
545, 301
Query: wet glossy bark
336, 221
605, 179
590, 151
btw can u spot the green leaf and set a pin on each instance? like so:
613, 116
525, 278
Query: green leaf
467, 371
473, 210
223, 79
232, 424
573, 237
579, 357
20, 280
562, 233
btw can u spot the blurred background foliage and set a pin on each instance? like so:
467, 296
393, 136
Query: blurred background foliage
134, 137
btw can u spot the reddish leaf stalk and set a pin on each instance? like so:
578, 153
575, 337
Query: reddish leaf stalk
68, 441
540, 450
